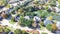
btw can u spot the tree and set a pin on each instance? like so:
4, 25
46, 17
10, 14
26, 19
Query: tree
31, 14
59, 6
41, 23
1, 2
25, 22
20, 10
1, 29
26, 33
7, 30
53, 3
49, 27
59, 1
54, 27
42, 13
8, 6
17, 31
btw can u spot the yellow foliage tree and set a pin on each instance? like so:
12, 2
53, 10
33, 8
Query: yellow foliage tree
50, 17
1, 2
20, 10
8, 6
59, 1
54, 27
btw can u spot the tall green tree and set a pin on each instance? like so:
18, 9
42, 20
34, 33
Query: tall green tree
49, 27
25, 22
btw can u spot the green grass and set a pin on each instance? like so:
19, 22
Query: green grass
44, 33
41, 25
42, 28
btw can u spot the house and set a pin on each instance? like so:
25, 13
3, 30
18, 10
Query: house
36, 19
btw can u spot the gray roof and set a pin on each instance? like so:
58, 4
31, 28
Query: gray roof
47, 22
